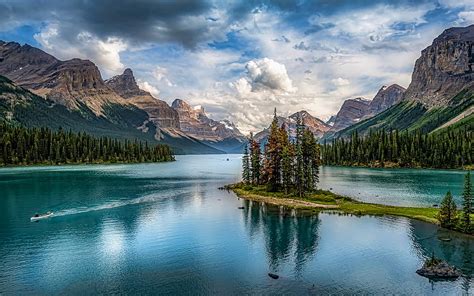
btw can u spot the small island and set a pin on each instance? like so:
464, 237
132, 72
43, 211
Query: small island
435, 268
287, 173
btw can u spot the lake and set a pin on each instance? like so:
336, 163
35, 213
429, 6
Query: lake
165, 228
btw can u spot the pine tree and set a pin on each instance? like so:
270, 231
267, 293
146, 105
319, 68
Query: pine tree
467, 202
272, 163
447, 214
246, 165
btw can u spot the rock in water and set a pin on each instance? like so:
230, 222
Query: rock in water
273, 276
438, 269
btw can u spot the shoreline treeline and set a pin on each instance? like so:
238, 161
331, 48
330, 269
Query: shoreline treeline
29, 146
449, 149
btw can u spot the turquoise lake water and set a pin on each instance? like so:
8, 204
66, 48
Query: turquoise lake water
166, 229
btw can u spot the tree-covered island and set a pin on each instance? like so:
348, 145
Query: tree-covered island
286, 173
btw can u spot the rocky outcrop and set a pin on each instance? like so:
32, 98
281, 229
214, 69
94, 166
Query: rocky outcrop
351, 112
194, 122
385, 98
444, 69
125, 85
314, 124
160, 113
71, 83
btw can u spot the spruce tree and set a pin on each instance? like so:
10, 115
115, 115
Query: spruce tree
447, 215
246, 165
272, 163
467, 202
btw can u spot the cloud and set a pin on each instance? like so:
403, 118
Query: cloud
467, 16
160, 74
268, 74
282, 39
340, 82
105, 53
184, 22
301, 46
148, 87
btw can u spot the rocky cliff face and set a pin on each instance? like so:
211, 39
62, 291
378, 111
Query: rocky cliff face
195, 122
160, 113
314, 124
351, 112
70, 83
444, 68
385, 98
125, 85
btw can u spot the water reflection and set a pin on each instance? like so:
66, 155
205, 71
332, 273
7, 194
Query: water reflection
288, 234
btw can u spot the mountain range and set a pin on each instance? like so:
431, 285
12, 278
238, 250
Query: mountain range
115, 107
37, 89
441, 92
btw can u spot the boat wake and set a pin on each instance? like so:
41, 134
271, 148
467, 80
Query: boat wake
115, 204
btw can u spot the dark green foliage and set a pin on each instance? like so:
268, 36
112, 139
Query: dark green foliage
286, 166
272, 157
246, 166
447, 215
467, 202
24, 146
450, 148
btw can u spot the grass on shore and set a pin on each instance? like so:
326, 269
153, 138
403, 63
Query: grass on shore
324, 200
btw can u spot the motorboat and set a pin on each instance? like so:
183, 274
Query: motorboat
37, 217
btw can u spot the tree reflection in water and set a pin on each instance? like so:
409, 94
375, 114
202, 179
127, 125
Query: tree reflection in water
289, 235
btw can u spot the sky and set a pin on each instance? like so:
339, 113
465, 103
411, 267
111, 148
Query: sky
241, 59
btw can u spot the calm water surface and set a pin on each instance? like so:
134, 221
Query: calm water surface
166, 228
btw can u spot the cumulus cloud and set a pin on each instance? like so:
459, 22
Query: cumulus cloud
148, 87
267, 74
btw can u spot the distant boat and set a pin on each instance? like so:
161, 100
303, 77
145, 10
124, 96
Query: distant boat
37, 217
